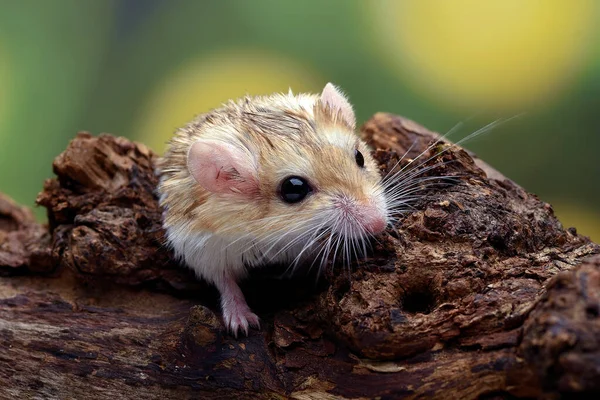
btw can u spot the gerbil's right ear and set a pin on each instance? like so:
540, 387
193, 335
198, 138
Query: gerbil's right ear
222, 168
333, 98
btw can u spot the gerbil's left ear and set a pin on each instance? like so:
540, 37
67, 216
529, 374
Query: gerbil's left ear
222, 168
335, 99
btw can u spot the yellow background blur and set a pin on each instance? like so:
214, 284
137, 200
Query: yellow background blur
141, 68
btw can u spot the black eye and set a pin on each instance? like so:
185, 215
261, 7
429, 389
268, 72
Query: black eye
294, 189
360, 160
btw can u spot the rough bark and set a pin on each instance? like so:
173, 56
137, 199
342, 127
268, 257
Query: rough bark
477, 292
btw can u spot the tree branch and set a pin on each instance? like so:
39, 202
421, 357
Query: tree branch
478, 291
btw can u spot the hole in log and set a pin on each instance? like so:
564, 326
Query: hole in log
419, 301
592, 311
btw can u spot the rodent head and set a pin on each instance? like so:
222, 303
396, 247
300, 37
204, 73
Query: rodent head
287, 165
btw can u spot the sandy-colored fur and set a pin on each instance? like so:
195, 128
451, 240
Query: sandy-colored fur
221, 234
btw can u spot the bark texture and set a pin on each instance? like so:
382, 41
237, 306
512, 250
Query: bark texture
477, 292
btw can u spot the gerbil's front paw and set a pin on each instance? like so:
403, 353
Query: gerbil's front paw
237, 315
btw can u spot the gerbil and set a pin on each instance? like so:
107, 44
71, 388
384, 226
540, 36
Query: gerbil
268, 179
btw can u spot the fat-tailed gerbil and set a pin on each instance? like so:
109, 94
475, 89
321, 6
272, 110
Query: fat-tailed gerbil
279, 178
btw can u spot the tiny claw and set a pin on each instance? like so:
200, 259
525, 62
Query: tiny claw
254, 321
239, 317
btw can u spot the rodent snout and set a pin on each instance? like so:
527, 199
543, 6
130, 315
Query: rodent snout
357, 219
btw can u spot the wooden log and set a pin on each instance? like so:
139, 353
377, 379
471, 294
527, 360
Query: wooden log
477, 292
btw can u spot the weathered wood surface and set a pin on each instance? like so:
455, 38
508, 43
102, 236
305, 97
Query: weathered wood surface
479, 292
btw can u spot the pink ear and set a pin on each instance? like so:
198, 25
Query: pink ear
335, 99
222, 168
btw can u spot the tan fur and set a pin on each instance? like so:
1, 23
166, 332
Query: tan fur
288, 135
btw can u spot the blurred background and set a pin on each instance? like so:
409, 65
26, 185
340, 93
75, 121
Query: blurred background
141, 68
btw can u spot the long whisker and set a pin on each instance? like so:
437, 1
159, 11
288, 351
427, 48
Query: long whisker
415, 171
315, 236
308, 246
302, 227
403, 186
419, 186
264, 220
473, 135
450, 131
